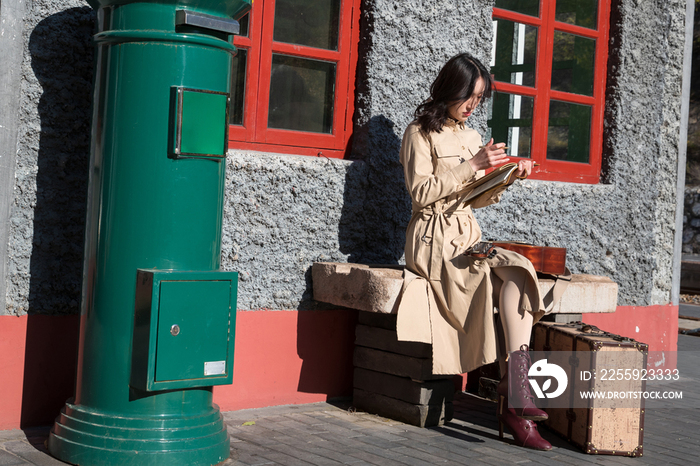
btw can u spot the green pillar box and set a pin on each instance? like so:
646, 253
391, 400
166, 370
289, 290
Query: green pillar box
157, 319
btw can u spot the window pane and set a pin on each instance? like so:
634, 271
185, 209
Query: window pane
527, 7
569, 134
301, 94
515, 52
578, 12
572, 64
511, 122
235, 116
307, 22
244, 25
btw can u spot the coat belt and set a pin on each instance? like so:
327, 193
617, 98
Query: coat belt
438, 221
438, 217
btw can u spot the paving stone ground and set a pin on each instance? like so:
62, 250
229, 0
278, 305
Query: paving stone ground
333, 434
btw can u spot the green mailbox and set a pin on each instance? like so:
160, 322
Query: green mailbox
158, 315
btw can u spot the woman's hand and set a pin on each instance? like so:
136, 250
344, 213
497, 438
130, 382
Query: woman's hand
491, 155
524, 168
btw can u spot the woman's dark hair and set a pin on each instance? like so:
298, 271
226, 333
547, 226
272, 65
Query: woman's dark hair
454, 83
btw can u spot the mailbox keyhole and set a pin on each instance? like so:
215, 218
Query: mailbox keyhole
175, 330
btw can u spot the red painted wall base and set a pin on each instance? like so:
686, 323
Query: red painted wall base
37, 367
290, 357
281, 357
655, 325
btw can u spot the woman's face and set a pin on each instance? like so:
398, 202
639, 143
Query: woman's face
460, 111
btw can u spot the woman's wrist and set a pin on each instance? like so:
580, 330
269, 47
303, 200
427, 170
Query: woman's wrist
464, 173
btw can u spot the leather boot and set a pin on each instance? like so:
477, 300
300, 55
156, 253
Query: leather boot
519, 390
524, 432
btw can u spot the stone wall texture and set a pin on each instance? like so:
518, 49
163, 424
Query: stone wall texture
622, 228
47, 218
282, 212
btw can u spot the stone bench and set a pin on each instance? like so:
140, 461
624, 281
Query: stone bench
394, 378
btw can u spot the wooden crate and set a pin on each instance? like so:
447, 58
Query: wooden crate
395, 378
596, 429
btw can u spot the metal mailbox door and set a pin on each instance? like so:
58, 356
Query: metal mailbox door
193, 331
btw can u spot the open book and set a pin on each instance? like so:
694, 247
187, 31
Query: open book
500, 177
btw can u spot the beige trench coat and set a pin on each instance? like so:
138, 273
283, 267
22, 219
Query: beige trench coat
447, 298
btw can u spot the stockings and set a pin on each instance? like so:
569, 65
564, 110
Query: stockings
516, 328
516, 323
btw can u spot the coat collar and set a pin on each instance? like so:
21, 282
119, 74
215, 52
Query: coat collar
452, 123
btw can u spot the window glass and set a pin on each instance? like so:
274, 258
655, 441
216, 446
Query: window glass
569, 133
572, 63
244, 22
527, 7
578, 12
301, 94
313, 23
235, 115
515, 52
511, 122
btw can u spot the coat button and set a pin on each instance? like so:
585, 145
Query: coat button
463, 147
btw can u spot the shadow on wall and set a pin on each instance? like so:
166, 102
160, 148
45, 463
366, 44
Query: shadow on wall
376, 207
325, 344
375, 212
49, 367
373, 220
62, 60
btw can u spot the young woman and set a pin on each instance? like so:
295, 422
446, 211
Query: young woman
441, 156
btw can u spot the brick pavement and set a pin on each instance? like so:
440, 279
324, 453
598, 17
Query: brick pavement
332, 434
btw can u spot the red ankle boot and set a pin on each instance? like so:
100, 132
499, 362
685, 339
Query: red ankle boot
519, 390
524, 432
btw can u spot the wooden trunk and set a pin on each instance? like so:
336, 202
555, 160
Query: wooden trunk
596, 429
545, 259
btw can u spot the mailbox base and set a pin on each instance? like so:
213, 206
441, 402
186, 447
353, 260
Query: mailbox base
86, 437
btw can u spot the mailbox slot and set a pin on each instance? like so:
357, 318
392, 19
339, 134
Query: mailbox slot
214, 23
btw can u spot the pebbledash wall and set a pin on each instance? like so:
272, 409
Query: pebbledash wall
284, 212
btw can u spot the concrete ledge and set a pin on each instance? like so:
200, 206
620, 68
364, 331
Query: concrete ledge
377, 288
585, 294
357, 286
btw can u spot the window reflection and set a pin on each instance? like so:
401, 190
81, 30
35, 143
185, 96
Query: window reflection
527, 7
301, 94
511, 122
572, 63
244, 23
568, 135
514, 52
313, 23
238, 87
579, 12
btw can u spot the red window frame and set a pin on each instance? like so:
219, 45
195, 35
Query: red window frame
557, 170
254, 133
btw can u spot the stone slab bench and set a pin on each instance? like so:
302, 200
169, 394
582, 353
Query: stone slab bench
376, 288
394, 378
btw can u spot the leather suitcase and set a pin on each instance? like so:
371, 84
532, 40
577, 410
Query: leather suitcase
596, 428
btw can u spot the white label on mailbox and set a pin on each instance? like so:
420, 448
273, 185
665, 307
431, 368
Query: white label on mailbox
214, 367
